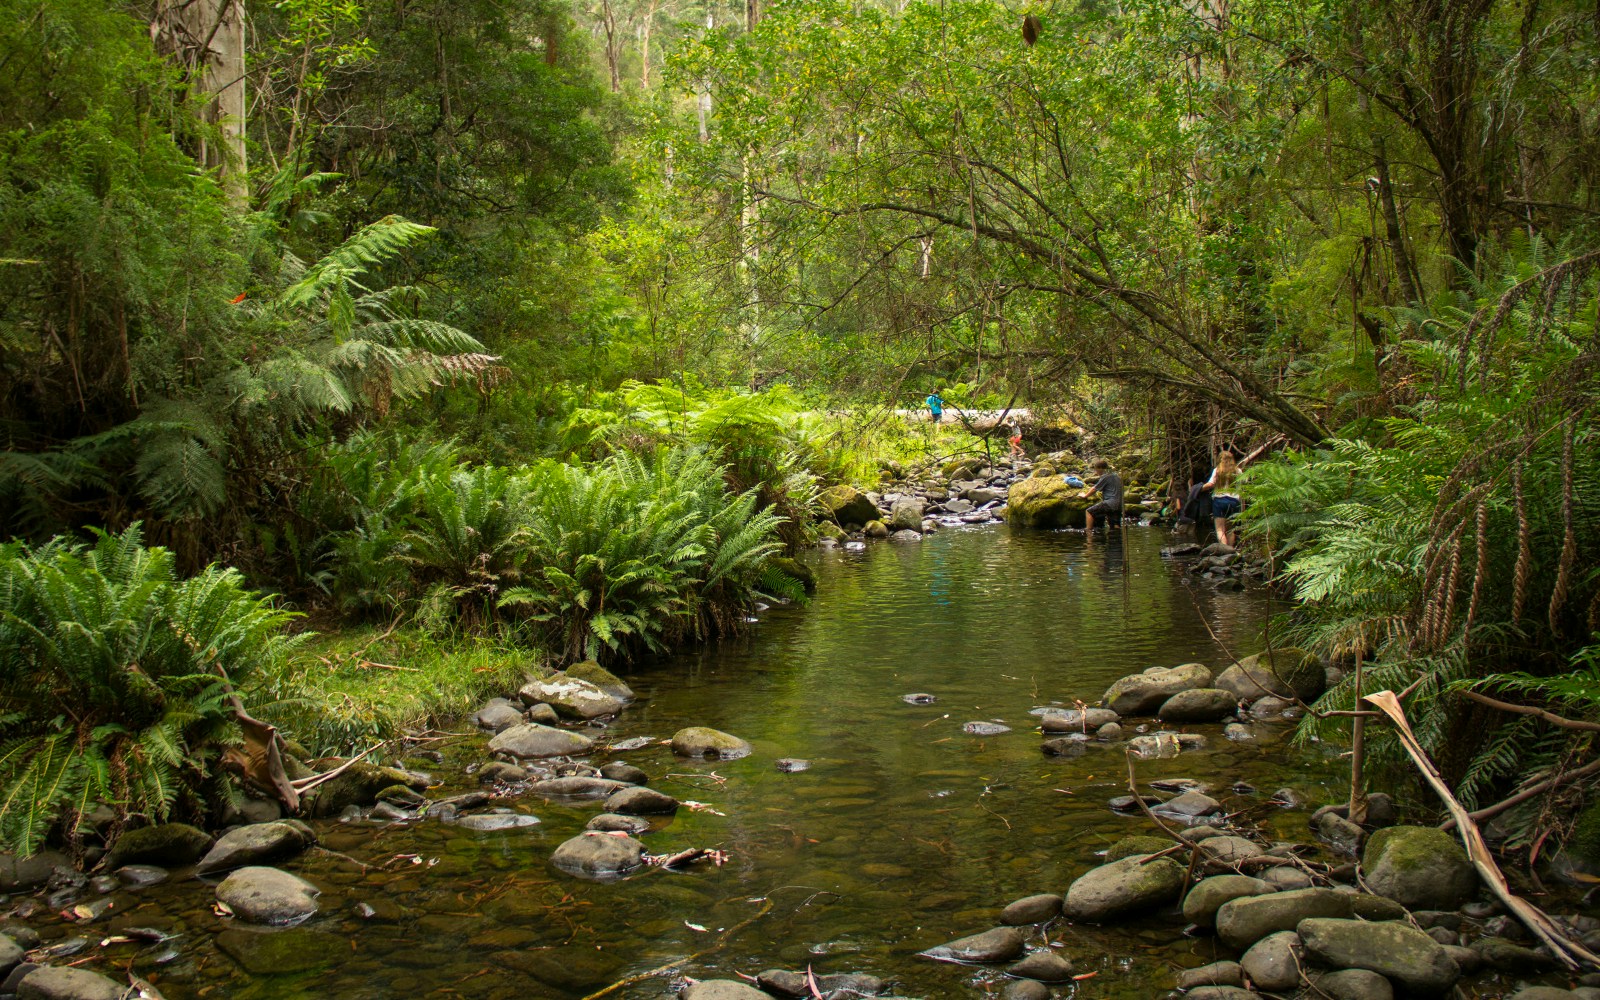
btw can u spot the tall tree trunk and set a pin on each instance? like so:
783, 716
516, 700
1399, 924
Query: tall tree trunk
206, 37
644, 45
608, 21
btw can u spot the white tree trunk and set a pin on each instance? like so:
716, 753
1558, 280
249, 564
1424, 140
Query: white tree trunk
207, 39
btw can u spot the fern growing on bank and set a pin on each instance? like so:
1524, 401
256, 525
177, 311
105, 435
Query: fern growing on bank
114, 671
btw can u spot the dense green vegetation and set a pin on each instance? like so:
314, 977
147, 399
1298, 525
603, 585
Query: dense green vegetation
470, 287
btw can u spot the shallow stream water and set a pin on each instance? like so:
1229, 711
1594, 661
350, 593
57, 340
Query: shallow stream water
904, 832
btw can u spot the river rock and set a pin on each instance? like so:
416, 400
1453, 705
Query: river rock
906, 515
1273, 963
783, 982
1215, 974
985, 728
167, 844
1031, 910
1221, 993
1165, 744
1419, 867
847, 505
498, 714
570, 697
1288, 673
1229, 850
1272, 707
598, 855
1503, 954
600, 677
1136, 845
721, 989
1286, 877
1123, 887
1242, 922
257, 844
1543, 993
577, 786
699, 741
533, 740
1045, 966
607, 822
1142, 694
10, 953
640, 801
1390, 948
281, 952
1198, 705
1188, 807
1353, 984
1001, 944
1203, 901
1025, 989
268, 896
543, 714
1045, 502
619, 771
22, 874
1075, 720
875, 529
63, 983
496, 822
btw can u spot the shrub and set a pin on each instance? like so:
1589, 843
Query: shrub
116, 679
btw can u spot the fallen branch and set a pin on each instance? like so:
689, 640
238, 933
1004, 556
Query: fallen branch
1553, 719
1133, 789
1568, 951
1488, 812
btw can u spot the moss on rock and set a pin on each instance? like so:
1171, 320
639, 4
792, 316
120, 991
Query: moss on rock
1046, 502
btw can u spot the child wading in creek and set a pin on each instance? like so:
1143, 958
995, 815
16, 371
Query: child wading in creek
1015, 430
1109, 485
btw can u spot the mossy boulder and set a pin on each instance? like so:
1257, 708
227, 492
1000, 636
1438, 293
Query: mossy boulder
1284, 673
875, 529
1394, 950
847, 505
795, 570
701, 741
1043, 470
1419, 867
1143, 694
600, 677
1044, 502
827, 529
1202, 902
1136, 845
358, 785
962, 468
168, 845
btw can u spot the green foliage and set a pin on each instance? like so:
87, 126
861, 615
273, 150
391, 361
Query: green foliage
1452, 546
115, 670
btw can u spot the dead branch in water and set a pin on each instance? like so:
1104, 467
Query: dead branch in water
721, 942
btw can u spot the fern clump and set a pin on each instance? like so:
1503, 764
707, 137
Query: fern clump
117, 676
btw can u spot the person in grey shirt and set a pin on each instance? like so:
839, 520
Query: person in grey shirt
1109, 485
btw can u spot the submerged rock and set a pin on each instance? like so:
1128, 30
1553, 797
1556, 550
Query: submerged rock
497, 821
620, 771
281, 952
700, 741
268, 896
532, 740
1000, 944
1123, 887
782, 982
985, 728
1419, 867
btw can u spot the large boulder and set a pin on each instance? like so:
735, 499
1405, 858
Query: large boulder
63, 983
167, 844
1045, 502
11, 953
1273, 963
906, 515
571, 697
847, 505
1001, 944
1285, 673
1392, 949
598, 855
701, 741
531, 740
1123, 887
1201, 904
1198, 705
1244, 921
268, 896
21, 874
256, 844
1419, 867
1142, 694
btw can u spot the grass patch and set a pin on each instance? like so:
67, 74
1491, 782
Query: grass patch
344, 691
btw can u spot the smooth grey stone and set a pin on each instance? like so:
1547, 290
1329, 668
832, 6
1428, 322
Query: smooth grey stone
1396, 951
268, 896
532, 740
1202, 902
1215, 974
257, 844
1273, 963
700, 741
1031, 910
1354, 984
1045, 966
496, 822
599, 855
620, 771
606, 822
1000, 944
62, 983
1244, 921
640, 801
1123, 887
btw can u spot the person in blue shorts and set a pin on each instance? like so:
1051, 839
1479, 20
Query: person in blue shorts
936, 405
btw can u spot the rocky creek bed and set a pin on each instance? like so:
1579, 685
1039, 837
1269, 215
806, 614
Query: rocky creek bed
905, 797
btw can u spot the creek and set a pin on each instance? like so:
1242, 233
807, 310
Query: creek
904, 832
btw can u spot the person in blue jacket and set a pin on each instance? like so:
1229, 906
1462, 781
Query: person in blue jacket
936, 405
